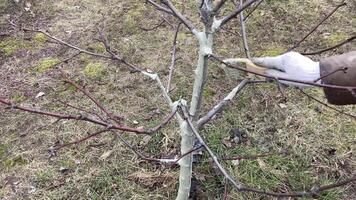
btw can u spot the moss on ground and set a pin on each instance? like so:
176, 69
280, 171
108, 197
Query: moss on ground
47, 64
94, 70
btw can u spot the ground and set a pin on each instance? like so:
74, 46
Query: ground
318, 143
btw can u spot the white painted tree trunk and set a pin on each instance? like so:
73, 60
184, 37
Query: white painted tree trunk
187, 141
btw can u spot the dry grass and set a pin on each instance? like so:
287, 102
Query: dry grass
320, 142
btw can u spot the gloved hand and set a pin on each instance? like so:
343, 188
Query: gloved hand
290, 65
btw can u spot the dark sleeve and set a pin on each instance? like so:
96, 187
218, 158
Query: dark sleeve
340, 78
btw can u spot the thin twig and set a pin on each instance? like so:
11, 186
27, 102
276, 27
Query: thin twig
81, 139
244, 35
344, 69
140, 155
226, 187
218, 5
188, 152
61, 116
253, 9
159, 7
173, 60
179, 15
237, 11
88, 94
326, 105
80, 109
317, 25
331, 48
154, 27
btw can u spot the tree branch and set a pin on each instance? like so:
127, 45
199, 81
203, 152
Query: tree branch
331, 48
221, 105
317, 25
159, 7
173, 59
179, 15
253, 9
244, 35
326, 105
237, 11
61, 116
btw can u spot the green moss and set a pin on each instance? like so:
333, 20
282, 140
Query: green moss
18, 160
46, 64
97, 47
40, 37
17, 97
94, 70
11, 45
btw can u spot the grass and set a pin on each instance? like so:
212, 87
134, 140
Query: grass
319, 141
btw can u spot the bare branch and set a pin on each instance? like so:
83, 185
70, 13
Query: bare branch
237, 11
56, 148
253, 9
61, 116
331, 48
159, 7
326, 105
154, 27
87, 94
218, 4
60, 41
173, 60
179, 15
244, 35
143, 157
221, 105
344, 69
317, 25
